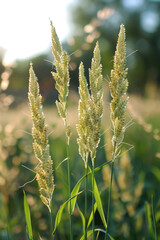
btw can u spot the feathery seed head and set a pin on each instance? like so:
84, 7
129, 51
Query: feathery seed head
90, 108
61, 76
44, 171
118, 88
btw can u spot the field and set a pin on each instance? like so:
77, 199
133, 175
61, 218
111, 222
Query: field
135, 191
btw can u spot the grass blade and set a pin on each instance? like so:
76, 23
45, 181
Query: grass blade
149, 219
59, 216
83, 219
77, 187
154, 220
91, 216
74, 193
101, 166
28, 218
60, 211
99, 203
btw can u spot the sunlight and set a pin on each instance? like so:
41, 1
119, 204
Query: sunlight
25, 27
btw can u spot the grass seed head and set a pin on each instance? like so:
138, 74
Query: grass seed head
118, 88
90, 108
44, 170
61, 76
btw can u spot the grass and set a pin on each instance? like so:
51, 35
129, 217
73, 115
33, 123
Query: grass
141, 166
132, 191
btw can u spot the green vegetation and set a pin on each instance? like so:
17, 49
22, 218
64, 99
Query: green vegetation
114, 188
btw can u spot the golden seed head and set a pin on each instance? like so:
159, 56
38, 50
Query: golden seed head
118, 88
44, 171
90, 108
61, 76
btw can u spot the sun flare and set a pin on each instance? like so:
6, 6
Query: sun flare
25, 26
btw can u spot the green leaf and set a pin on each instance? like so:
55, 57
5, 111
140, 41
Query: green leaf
149, 219
91, 215
101, 166
77, 187
99, 203
28, 218
60, 211
74, 193
82, 217
59, 216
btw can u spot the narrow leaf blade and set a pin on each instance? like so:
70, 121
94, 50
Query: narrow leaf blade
83, 218
28, 218
149, 219
99, 204
60, 211
91, 215
59, 216
77, 187
74, 193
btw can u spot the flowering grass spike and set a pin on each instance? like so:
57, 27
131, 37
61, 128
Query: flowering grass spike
90, 107
61, 76
44, 170
118, 88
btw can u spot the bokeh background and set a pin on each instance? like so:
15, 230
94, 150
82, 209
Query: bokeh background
24, 37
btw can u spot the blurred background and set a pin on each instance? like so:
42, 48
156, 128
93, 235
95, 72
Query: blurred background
24, 37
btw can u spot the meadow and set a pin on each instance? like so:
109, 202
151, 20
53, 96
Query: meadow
126, 198
138, 186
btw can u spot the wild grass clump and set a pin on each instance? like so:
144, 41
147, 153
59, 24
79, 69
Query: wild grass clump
90, 112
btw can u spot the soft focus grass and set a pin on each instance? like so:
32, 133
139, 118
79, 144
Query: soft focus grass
16, 150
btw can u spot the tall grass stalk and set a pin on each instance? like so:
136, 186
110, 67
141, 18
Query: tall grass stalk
109, 198
51, 221
93, 221
154, 220
85, 192
118, 88
69, 186
90, 112
96, 86
62, 79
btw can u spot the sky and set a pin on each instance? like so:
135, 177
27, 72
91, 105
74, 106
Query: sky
25, 26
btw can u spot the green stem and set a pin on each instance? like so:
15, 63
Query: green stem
110, 189
69, 188
154, 220
93, 221
51, 221
69, 179
85, 190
